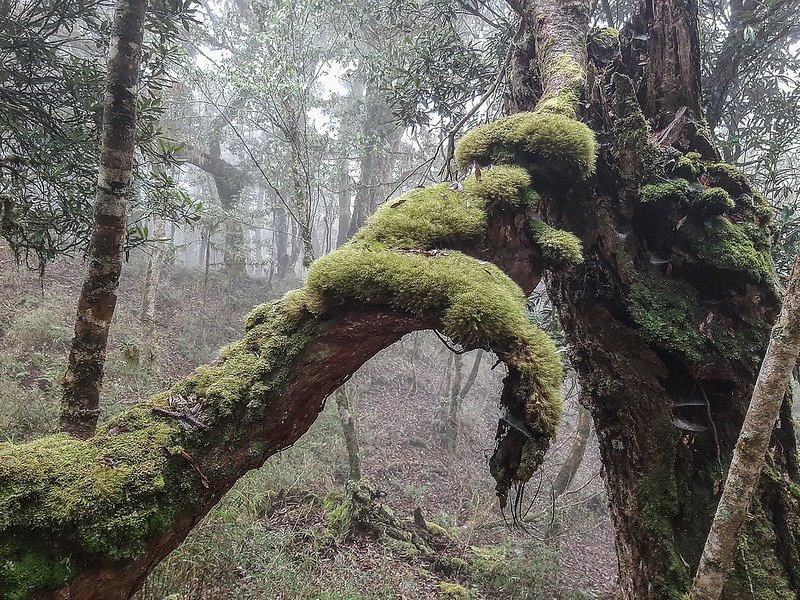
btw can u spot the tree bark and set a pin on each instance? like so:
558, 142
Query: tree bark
665, 329
751, 448
98, 298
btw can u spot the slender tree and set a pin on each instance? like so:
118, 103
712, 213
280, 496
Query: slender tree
98, 297
749, 454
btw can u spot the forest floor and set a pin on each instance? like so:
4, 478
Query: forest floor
273, 535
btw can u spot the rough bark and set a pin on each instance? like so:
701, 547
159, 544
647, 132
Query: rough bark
669, 314
98, 297
751, 448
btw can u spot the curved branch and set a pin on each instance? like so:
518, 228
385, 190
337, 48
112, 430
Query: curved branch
90, 519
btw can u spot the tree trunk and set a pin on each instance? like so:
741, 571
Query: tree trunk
350, 433
280, 222
751, 448
98, 297
574, 458
147, 314
381, 137
302, 206
455, 401
345, 185
669, 313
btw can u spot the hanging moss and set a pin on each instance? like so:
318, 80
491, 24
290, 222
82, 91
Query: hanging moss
526, 137
559, 248
478, 307
668, 314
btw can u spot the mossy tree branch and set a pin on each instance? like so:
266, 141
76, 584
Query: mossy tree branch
90, 519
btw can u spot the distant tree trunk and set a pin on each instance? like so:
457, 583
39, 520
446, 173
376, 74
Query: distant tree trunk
98, 297
229, 181
566, 473
147, 314
459, 393
382, 137
454, 405
345, 409
295, 132
280, 222
258, 241
751, 448
345, 185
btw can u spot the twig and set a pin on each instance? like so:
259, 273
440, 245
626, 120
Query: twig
188, 458
180, 416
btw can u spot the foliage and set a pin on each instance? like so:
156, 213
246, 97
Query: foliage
51, 63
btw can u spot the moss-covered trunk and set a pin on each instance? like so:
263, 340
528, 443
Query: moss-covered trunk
669, 314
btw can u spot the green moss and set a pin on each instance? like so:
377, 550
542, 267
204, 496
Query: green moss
673, 191
477, 306
110, 493
728, 177
741, 343
716, 201
727, 245
688, 166
33, 572
667, 312
559, 248
114, 494
524, 138
432, 217
507, 183
452, 590
605, 38
337, 514
573, 77
756, 566
657, 501
437, 529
